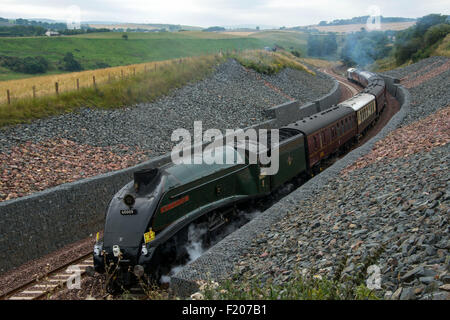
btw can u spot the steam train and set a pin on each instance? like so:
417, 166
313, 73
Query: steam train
150, 212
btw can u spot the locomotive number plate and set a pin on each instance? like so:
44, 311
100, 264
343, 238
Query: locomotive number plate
128, 212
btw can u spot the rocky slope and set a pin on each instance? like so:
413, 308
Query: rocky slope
391, 208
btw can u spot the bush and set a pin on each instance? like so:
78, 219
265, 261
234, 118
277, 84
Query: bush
70, 64
101, 65
436, 33
296, 53
30, 65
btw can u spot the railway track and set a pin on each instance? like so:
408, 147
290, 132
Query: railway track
354, 89
51, 281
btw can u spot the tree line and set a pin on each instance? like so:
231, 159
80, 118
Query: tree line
415, 43
319, 45
363, 20
39, 64
419, 41
30, 28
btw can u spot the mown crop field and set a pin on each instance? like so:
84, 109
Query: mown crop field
45, 85
357, 27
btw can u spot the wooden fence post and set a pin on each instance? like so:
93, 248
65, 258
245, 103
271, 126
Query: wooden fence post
93, 81
134, 71
121, 72
34, 92
56, 88
8, 96
78, 84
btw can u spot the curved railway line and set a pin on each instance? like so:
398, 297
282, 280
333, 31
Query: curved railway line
351, 87
56, 279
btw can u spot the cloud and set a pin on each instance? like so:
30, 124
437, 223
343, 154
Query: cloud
218, 12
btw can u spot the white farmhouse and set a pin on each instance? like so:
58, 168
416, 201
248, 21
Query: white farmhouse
50, 33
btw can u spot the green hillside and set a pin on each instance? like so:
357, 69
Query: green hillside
110, 49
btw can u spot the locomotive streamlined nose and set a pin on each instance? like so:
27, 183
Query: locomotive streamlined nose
128, 218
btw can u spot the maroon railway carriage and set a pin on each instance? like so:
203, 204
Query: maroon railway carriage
378, 89
363, 104
326, 132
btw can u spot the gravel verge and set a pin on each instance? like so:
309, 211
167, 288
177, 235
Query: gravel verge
289, 81
415, 70
429, 96
398, 209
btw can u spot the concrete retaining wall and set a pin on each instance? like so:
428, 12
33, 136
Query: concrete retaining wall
292, 111
216, 263
43, 222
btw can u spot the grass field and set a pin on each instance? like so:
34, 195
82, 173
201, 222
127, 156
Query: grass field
286, 39
112, 49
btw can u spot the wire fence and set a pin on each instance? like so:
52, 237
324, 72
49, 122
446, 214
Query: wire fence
35, 87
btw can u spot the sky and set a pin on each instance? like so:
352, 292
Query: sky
205, 13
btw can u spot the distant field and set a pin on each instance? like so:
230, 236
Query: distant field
238, 33
110, 48
286, 39
357, 27
139, 26
186, 35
